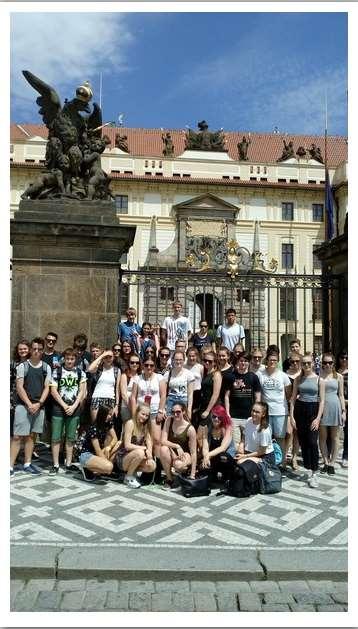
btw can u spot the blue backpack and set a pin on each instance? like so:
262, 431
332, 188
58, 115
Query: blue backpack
277, 452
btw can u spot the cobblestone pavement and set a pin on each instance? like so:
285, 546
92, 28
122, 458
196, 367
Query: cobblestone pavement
66, 511
178, 596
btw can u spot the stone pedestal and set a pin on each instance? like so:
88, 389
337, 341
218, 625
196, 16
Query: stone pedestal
65, 269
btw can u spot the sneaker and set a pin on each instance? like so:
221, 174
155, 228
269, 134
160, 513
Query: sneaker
344, 463
31, 469
88, 475
324, 469
54, 470
12, 472
131, 482
313, 481
330, 470
71, 468
294, 463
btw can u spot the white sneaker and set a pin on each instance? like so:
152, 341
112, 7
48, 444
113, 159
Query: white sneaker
313, 481
131, 482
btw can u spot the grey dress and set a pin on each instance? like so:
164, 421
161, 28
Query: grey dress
332, 414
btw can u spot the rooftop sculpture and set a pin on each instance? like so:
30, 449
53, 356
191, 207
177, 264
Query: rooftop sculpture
74, 146
204, 140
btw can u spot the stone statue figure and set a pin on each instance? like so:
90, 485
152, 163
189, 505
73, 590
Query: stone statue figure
74, 145
315, 153
243, 147
121, 142
301, 151
204, 140
287, 151
168, 149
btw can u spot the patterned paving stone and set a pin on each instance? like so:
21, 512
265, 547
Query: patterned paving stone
205, 602
227, 602
162, 602
102, 586
172, 586
183, 602
94, 601
25, 601
276, 598
71, 585
118, 602
250, 602
264, 586
233, 586
71, 512
40, 585
136, 586
140, 602
72, 601
48, 601
312, 598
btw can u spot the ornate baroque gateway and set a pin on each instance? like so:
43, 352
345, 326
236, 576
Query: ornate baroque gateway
74, 147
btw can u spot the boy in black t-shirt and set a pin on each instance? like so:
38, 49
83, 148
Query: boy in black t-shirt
244, 391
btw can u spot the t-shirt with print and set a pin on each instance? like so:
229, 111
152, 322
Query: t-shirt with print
36, 377
199, 341
177, 329
67, 382
243, 387
178, 385
273, 391
255, 438
94, 433
231, 334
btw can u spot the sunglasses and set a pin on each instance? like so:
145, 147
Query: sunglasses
133, 362
164, 355
177, 412
50, 340
327, 362
203, 325
306, 364
148, 365
117, 349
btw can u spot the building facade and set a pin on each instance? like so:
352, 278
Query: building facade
265, 200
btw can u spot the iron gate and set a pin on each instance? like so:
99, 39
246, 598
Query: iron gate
273, 308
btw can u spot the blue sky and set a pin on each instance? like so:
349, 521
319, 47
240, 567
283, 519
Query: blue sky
247, 71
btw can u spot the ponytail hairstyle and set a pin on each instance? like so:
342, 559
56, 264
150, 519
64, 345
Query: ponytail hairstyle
264, 421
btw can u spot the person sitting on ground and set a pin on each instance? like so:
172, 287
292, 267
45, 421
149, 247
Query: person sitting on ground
106, 383
67, 387
97, 445
136, 453
178, 444
258, 440
217, 443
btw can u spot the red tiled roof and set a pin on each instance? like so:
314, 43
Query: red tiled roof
264, 148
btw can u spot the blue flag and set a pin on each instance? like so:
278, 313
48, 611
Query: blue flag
329, 208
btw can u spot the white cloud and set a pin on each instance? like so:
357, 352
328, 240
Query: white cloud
64, 49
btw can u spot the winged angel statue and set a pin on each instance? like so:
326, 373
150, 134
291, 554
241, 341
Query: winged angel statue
74, 146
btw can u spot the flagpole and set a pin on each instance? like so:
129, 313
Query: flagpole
325, 167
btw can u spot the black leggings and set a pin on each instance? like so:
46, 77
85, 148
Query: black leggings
304, 414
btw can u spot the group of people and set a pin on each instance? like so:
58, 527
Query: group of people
165, 401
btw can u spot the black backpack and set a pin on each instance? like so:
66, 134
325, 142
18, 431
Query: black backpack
243, 481
59, 374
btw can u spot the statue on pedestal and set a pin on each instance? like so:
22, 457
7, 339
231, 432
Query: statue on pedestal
243, 148
204, 140
72, 161
168, 149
